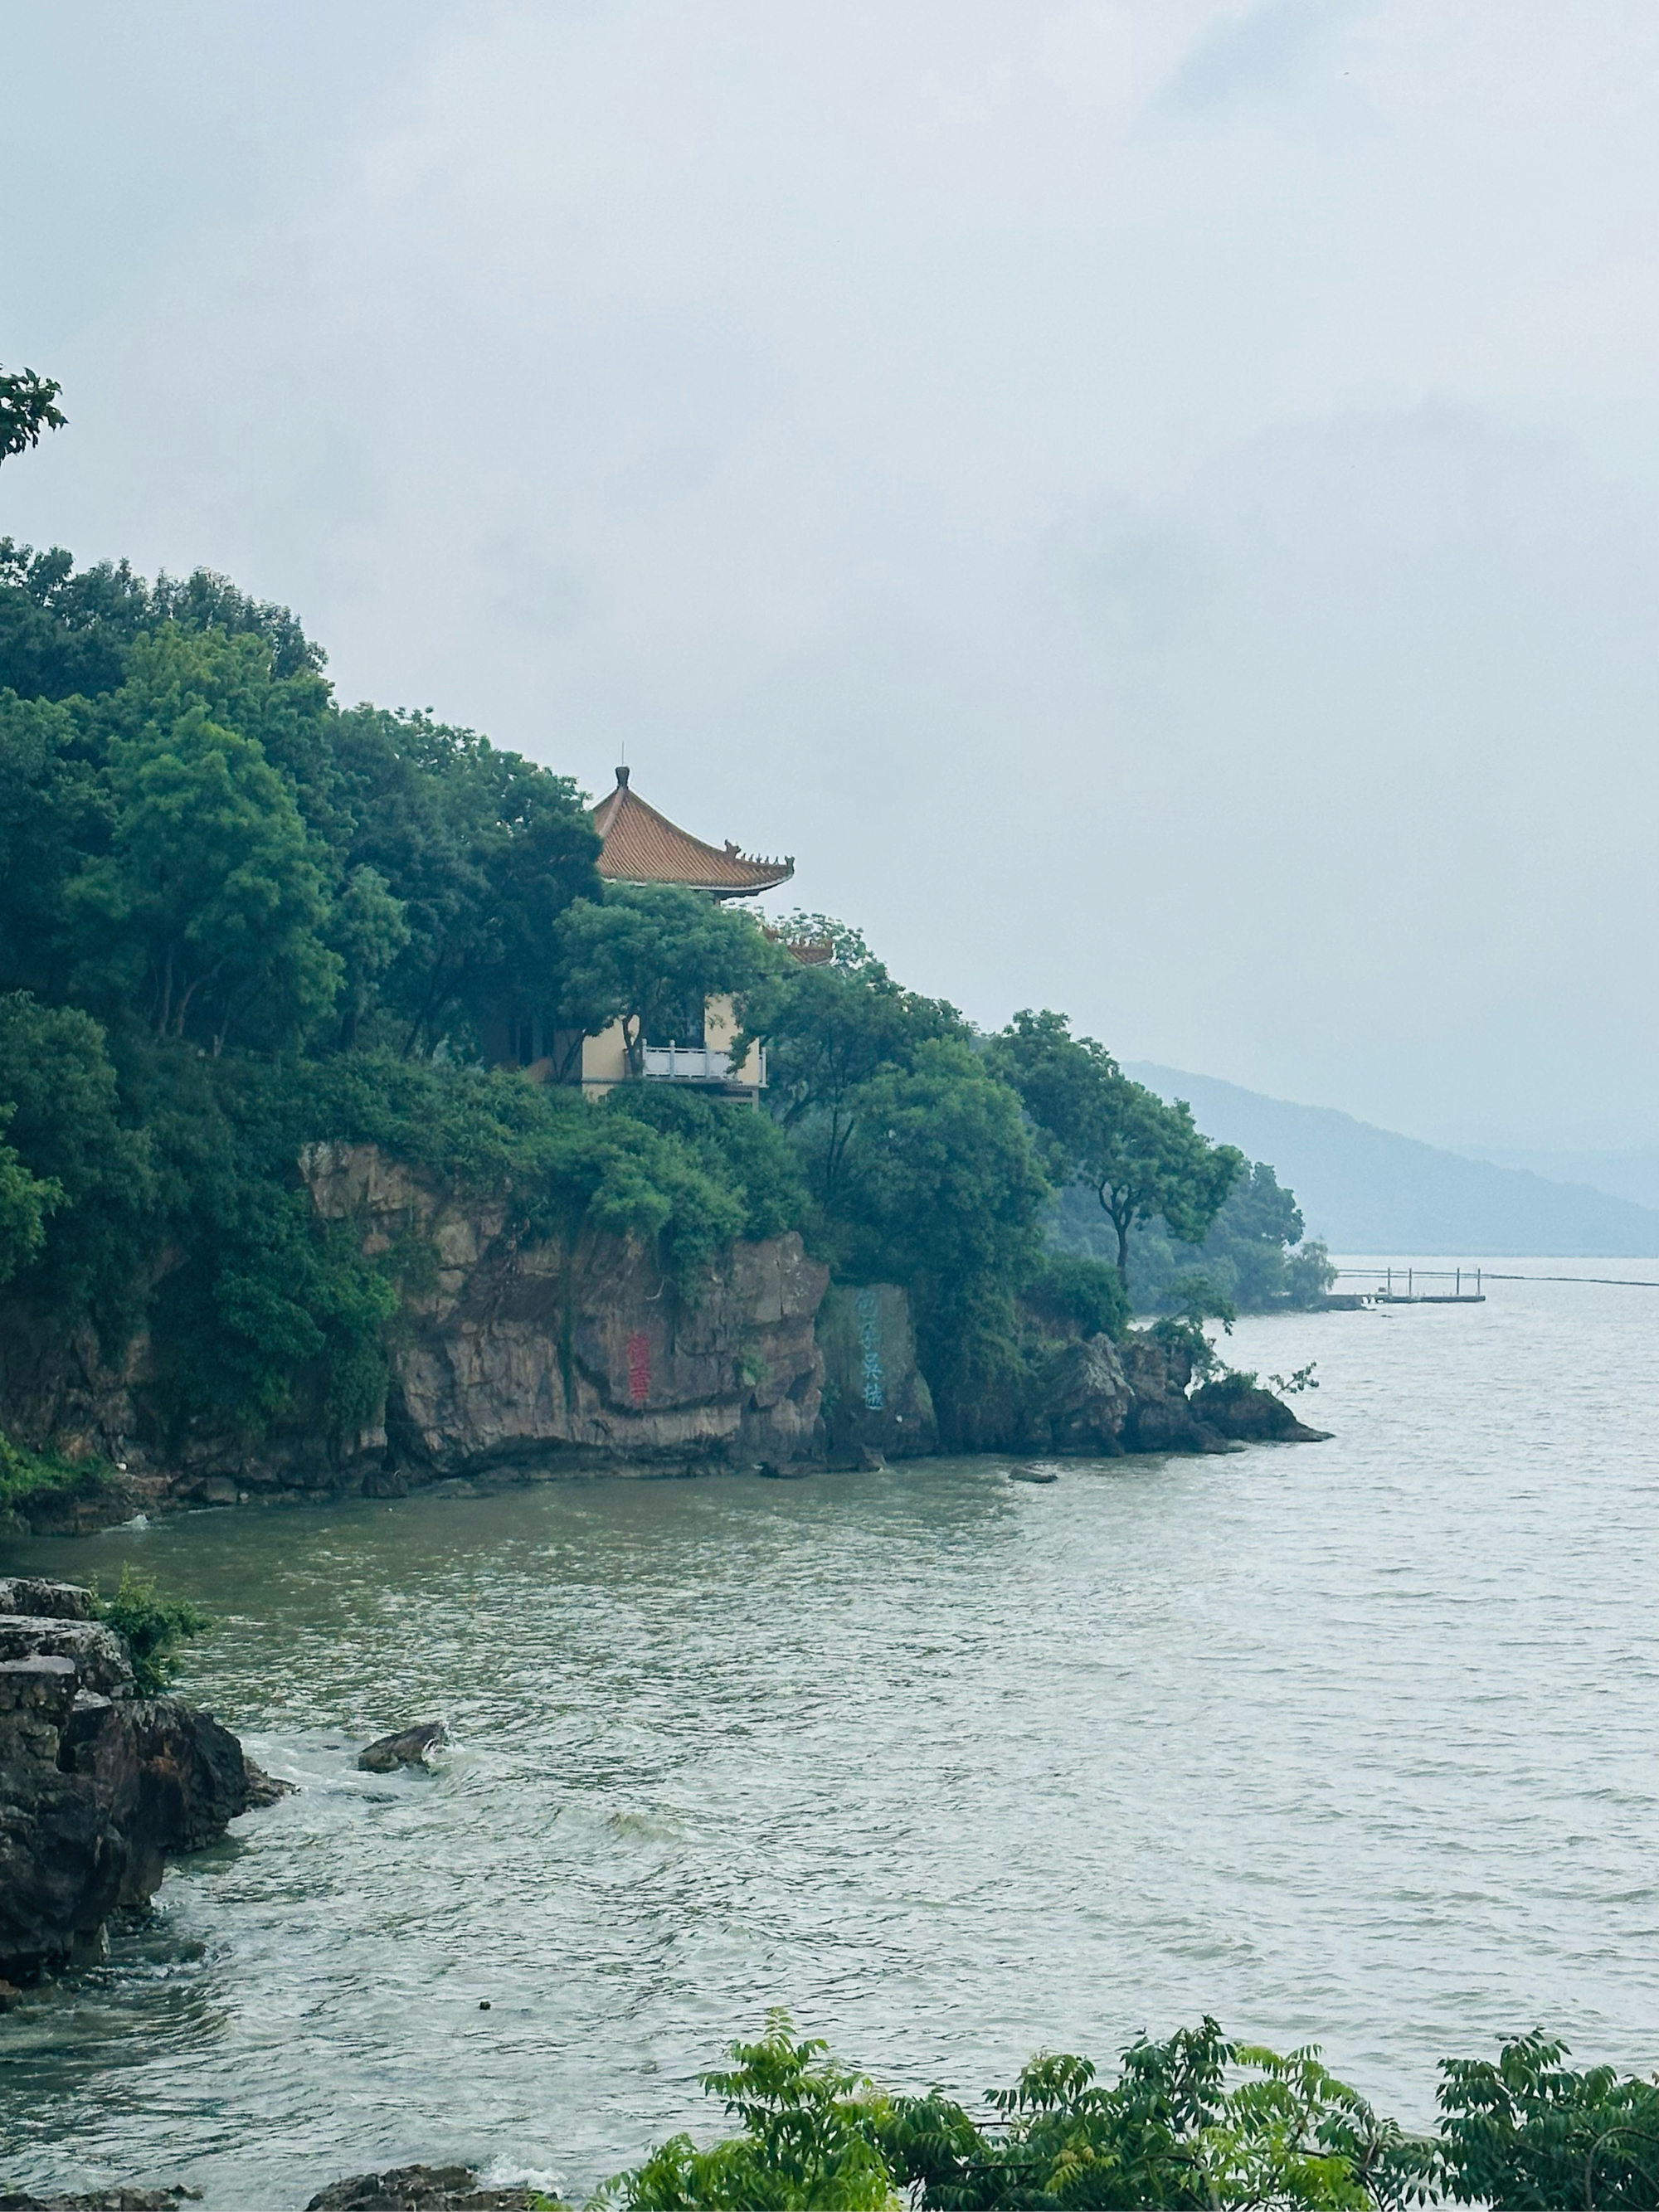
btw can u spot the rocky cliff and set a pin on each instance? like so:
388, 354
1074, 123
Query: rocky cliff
510, 1355
97, 1785
519, 1357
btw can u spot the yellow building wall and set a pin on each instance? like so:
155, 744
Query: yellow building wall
720, 1026
604, 1058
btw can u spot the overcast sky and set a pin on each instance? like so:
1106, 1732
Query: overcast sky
1153, 504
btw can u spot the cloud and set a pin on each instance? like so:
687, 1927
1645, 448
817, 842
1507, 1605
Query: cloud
1172, 554
1279, 51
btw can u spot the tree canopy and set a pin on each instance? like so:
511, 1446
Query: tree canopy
1145, 1160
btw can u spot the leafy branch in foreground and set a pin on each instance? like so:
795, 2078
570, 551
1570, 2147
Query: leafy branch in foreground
1195, 2122
27, 409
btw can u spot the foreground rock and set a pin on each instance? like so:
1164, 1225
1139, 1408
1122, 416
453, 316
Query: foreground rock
97, 1786
102, 2199
422, 2189
404, 2189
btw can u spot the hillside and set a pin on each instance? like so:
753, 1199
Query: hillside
1367, 1190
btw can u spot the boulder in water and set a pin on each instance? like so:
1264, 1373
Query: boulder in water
408, 1747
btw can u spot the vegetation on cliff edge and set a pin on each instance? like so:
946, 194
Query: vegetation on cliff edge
237, 919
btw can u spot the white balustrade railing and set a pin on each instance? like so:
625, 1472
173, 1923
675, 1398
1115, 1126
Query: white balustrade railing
693, 1063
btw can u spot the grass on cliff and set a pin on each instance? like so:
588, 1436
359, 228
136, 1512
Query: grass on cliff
25, 1474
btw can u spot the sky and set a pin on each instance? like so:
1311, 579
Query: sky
1151, 502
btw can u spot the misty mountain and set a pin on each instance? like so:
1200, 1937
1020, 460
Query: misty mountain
1632, 1174
1368, 1190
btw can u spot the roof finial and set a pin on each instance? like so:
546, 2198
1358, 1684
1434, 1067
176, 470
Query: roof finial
622, 777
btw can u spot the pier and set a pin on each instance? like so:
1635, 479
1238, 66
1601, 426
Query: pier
1408, 1286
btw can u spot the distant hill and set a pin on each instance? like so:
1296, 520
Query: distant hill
1633, 1174
1367, 1190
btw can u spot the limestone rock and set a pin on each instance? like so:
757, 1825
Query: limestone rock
97, 1653
1161, 1417
876, 1403
43, 1600
1085, 1399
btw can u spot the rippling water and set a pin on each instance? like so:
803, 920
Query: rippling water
1350, 1741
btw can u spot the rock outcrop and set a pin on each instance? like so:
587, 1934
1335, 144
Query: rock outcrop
97, 1785
875, 1398
518, 1358
1247, 1415
408, 1747
423, 2189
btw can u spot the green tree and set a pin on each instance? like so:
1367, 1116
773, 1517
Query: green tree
213, 893
27, 409
809, 2140
368, 930
650, 957
66, 1121
944, 1192
830, 1026
1525, 2131
1143, 1159
25, 1200
484, 850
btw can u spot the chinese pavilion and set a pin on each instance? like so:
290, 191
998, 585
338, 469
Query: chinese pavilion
639, 846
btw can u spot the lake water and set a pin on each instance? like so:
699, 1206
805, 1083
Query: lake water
1352, 1742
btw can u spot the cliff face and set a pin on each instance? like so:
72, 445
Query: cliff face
516, 1352
508, 1353
513, 1353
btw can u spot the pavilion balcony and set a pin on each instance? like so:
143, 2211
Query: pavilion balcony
696, 1063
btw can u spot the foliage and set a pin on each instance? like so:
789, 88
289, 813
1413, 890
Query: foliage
1144, 1159
27, 409
25, 1200
831, 1028
809, 2140
25, 1474
1308, 1273
1252, 1256
1292, 1385
1081, 1294
649, 956
153, 1627
944, 1192
1524, 2132
763, 1170
1196, 2122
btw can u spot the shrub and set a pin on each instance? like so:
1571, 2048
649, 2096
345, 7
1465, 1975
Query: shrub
153, 1627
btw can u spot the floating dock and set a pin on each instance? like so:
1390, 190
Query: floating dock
1410, 1286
